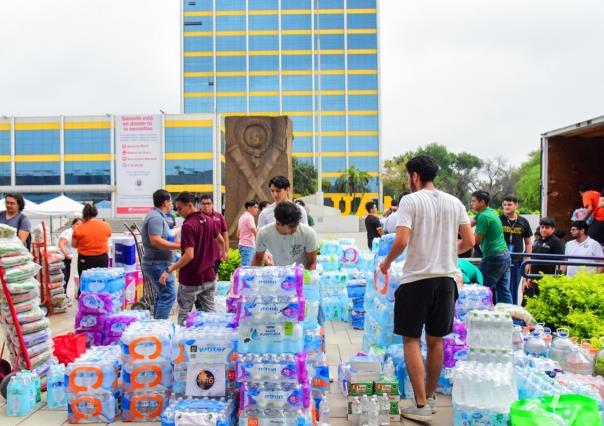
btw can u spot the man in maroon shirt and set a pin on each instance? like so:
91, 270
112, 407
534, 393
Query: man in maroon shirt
207, 208
197, 243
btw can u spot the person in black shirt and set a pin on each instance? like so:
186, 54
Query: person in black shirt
548, 244
518, 235
372, 223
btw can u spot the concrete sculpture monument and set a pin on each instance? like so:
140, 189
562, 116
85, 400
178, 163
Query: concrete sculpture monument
257, 148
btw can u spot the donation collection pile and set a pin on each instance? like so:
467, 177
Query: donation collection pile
260, 359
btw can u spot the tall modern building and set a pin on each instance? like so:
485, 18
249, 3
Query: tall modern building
313, 60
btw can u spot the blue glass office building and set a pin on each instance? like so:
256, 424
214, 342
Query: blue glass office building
313, 60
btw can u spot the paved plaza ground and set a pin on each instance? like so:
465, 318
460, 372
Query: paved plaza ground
342, 342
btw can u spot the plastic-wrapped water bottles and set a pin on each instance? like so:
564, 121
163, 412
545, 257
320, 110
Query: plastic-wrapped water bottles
201, 319
271, 338
116, 323
256, 309
21, 394
144, 405
274, 395
490, 329
275, 280
124, 252
483, 392
56, 397
148, 340
282, 368
473, 297
97, 369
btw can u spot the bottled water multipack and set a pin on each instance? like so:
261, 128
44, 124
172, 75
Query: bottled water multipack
282, 368
274, 280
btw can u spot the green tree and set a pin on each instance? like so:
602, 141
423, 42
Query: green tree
394, 175
305, 177
353, 181
529, 183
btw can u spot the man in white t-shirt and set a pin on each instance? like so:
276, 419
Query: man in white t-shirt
429, 222
582, 245
279, 186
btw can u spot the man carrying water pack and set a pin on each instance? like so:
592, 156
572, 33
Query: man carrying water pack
428, 290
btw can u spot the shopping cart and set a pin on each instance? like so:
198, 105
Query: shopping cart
20, 350
148, 297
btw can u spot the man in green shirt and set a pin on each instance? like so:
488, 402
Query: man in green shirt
496, 260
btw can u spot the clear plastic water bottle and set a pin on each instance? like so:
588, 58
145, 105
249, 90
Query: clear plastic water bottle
561, 345
324, 412
535, 345
356, 411
384, 415
364, 410
56, 397
388, 371
17, 399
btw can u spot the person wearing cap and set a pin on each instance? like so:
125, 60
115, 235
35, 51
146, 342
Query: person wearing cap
496, 261
547, 244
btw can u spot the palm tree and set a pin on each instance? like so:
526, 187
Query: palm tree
353, 181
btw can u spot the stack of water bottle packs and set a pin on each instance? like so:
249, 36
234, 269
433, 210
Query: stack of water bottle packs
271, 364
204, 356
147, 369
56, 279
344, 274
123, 248
24, 291
101, 300
379, 298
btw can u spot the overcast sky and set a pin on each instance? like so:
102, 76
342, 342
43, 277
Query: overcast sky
483, 76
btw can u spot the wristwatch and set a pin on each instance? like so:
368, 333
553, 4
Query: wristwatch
167, 270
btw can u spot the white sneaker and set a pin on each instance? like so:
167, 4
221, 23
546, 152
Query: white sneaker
432, 402
423, 414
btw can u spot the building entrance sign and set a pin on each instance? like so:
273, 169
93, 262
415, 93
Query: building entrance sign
138, 162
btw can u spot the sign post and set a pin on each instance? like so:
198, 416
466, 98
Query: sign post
138, 162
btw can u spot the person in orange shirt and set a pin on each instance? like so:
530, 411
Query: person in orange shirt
594, 214
91, 239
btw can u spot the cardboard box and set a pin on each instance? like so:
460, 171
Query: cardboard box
360, 389
389, 388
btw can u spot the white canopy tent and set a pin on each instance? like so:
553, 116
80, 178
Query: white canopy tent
59, 206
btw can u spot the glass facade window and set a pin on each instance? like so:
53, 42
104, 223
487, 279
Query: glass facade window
369, 164
331, 4
230, 23
333, 164
230, 63
296, 42
199, 104
230, 4
363, 143
263, 5
363, 123
361, 20
303, 144
296, 62
302, 124
189, 139
362, 82
331, 41
362, 62
297, 103
198, 44
87, 141
199, 84
264, 42
333, 103
333, 143
333, 123
264, 63
198, 64
329, 22
361, 4
29, 142
331, 62
87, 173
231, 84
197, 5
362, 41
264, 104
264, 83
296, 22
363, 102
5, 166
232, 104
263, 22
5, 142
38, 173
187, 172
332, 82
297, 82
295, 4
230, 43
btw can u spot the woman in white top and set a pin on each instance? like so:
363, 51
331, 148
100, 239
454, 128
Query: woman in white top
67, 249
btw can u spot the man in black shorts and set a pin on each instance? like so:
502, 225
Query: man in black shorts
428, 290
